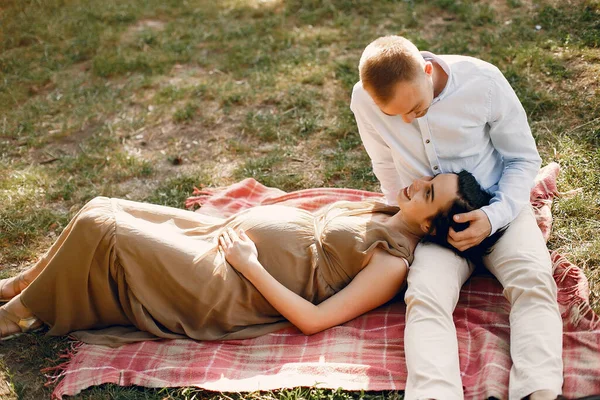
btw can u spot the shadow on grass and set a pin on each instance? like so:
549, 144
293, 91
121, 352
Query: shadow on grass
23, 357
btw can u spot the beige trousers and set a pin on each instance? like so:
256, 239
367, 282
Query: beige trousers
521, 262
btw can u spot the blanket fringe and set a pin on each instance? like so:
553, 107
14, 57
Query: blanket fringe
569, 193
55, 373
584, 311
576, 298
199, 197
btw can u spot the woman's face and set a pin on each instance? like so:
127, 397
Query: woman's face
427, 197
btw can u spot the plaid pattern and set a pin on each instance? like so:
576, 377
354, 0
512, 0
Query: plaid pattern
223, 202
366, 353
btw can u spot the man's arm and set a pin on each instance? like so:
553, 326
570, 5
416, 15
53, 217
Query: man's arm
379, 152
511, 136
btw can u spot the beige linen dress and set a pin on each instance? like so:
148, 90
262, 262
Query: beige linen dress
124, 271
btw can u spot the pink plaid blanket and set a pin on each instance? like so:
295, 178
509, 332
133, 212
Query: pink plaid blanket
364, 354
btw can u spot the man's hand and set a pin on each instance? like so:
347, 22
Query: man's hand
479, 228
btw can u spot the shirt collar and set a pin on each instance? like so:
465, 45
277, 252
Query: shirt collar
427, 55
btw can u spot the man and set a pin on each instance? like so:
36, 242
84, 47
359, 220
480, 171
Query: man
422, 114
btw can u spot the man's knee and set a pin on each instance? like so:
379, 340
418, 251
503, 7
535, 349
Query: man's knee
526, 273
435, 279
435, 295
531, 284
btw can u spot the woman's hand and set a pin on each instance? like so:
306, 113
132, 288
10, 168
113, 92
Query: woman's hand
240, 251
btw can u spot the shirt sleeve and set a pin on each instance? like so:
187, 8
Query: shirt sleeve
511, 137
377, 149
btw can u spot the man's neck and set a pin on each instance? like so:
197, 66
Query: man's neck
440, 78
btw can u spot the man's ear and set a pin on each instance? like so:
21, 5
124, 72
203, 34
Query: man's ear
428, 68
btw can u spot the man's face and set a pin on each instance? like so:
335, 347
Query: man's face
411, 99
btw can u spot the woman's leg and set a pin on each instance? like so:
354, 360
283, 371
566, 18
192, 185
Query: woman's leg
77, 289
15, 318
10, 287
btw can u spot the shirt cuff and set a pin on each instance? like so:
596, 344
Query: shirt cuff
494, 218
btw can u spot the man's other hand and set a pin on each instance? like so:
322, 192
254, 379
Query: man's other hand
479, 228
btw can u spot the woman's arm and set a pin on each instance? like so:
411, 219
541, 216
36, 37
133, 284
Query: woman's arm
377, 283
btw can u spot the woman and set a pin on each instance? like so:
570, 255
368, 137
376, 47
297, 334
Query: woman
123, 271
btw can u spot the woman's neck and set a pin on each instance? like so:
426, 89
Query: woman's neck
397, 222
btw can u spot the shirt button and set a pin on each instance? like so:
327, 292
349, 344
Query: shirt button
427, 141
436, 168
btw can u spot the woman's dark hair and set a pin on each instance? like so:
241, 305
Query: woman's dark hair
471, 196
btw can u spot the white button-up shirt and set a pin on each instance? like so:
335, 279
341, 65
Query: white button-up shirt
476, 123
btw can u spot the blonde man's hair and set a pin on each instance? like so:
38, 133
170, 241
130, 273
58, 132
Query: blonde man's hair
387, 61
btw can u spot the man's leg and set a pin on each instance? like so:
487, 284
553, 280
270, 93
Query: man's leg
521, 262
431, 346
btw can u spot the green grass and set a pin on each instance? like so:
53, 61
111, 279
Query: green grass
147, 99
174, 191
137, 393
